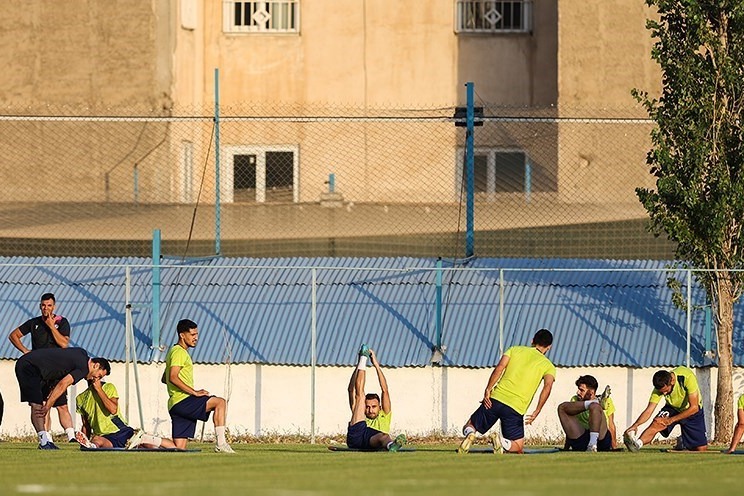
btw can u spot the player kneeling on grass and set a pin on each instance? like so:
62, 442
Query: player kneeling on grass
103, 424
680, 390
369, 428
509, 392
186, 405
588, 420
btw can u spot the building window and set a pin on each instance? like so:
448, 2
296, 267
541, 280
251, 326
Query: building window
487, 16
495, 171
261, 174
279, 16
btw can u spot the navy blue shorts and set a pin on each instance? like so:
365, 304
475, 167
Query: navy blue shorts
693, 427
185, 413
358, 435
582, 442
119, 438
512, 423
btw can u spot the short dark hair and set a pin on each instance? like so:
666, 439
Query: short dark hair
543, 337
185, 325
48, 296
588, 381
103, 363
662, 378
372, 396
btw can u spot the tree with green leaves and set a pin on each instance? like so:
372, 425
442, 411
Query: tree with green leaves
697, 158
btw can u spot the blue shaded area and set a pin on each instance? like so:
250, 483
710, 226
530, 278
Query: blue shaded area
259, 310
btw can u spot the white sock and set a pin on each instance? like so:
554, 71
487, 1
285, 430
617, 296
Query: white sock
219, 431
593, 438
153, 440
589, 402
468, 430
362, 365
388, 445
44, 437
506, 443
640, 443
70, 433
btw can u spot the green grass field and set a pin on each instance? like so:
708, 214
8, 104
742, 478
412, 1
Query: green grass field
303, 469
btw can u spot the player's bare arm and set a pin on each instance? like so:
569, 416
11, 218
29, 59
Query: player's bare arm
60, 388
548, 381
498, 371
642, 418
385, 393
15, 339
176, 381
59, 338
110, 404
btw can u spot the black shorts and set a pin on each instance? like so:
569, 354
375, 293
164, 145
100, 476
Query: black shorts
119, 438
185, 413
582, 442
512, 422
358, 435
34, 389
693, 427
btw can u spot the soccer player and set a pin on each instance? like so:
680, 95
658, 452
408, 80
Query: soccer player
103, 423
62, 367
588, 420
369, 428
186, 405
680, 390
739, 429
48, 330
509, 392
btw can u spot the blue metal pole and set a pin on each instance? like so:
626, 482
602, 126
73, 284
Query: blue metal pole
155, 315
470, 168
217, 206
439, 304
527, 180
331, 182
136, 184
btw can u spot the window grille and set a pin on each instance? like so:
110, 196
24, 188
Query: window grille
487, 16
279, 16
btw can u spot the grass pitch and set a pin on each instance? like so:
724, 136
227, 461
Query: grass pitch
302, 469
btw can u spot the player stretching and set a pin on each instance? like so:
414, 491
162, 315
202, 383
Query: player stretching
588, 420
186, 405
369, 427
509, 392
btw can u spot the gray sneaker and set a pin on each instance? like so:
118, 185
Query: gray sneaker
466, 443
223, 448
604, 397
498, 448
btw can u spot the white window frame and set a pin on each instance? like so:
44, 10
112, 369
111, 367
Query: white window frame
491, 153
492, 21
186, 173
286, 12
227, 182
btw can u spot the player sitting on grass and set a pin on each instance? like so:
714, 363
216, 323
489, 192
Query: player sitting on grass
509, 392
680, 390
98, 407
588, 420
369, 428
739, 429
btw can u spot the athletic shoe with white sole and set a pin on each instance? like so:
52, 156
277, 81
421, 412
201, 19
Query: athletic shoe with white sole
604, 397
223, 448
466, 443
48, 446
81, 438
399, 442
135, 440
591, 448
498, 448
631, 442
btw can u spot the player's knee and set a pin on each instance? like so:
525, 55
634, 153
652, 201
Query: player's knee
595, 408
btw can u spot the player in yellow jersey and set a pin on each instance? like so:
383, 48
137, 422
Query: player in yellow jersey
509, 392
103, 424
680, 390
186, 404
739, 429
369, 428
588, 420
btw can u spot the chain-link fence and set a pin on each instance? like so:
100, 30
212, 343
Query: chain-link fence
321, 181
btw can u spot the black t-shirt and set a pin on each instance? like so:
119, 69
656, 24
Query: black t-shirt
41, 335
55, 363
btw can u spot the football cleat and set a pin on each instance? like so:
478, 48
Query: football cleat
364, 350
604, 397
48, 446
399, 442
81, 438
135, 440
498, 448
223, 448
466, 443
631, 443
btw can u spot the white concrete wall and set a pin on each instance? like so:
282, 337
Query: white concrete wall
267, 399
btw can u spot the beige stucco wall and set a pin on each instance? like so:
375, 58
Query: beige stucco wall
425, 399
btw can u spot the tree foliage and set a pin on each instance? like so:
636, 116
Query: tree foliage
697, 157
